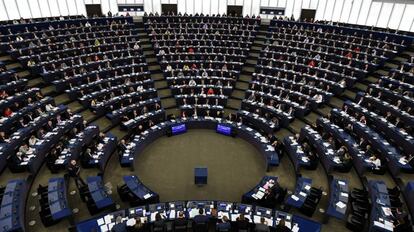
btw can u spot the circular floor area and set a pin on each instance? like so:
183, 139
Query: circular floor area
167, 166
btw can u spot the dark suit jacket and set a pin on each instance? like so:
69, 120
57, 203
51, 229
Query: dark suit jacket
180, 222
200, 219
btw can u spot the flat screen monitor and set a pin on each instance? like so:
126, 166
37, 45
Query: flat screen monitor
223, 129
178, 129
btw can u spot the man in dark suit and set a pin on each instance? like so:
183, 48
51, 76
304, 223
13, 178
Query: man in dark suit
200, 222
181, 221
74, 171
200, 218
223, 224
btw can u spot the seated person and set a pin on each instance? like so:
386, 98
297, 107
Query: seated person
242, 222
375, 161
200, 218
180, 221
407, 159
282, 227
262, 226
223, 224
3, 137
159, 224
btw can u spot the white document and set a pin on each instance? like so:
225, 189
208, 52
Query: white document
340, 204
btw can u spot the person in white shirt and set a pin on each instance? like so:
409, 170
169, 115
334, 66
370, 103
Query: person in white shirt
140, 88
375, 161
32, 140
49, 107
169, 68
192, 83
136, 45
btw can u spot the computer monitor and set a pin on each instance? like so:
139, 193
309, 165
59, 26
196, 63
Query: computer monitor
178, 129
224, 129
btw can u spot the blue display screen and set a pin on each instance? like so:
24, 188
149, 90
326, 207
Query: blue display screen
223, 129
178, 129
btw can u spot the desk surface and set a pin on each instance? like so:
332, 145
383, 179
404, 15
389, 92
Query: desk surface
231, 209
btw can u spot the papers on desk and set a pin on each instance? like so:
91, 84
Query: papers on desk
307, 187
344, 194
340, 204
256, 219
386, 225
270, 148
259, 195
295, 228
172, 214
294, 197
302, 194
387, 211
100, 221
402, 161
221, 214
148, 195
193, 212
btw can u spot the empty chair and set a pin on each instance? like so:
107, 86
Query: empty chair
394, 191
355, 223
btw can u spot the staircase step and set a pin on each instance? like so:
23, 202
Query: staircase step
382, 72
390, 65
164, 93
88, 115
361, 87
151, 60
48, 90
242, 85
120, 134
254, 54
250, 61
168, 103
154, 67
161, 84
282, 133
336, 102
248, 69
238, 94
149, 53
400, 59
296, 125
75, 107
4, 58
246, 78
234, 103
62, 99
103, 123
157, 76
13, 66
324, 110
349, 94
35, 82
24, 73
371, 79
228, 111
173, 111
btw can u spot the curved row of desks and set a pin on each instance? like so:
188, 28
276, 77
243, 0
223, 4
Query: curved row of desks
213, 209
233, 129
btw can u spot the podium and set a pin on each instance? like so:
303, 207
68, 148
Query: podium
200, 176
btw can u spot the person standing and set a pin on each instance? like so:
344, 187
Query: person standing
74, 171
